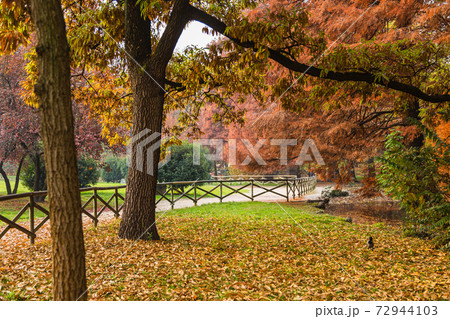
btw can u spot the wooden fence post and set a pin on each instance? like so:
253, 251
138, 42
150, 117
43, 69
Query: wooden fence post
252, 192
116, 193
172, 204
95, 208
287, 190
32, 219
195, 193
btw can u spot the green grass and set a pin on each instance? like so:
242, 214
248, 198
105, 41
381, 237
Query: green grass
20, 189
253, 210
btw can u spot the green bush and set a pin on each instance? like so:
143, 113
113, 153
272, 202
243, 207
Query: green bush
181, 167
419, 178
28, 173
115, 169
88, 173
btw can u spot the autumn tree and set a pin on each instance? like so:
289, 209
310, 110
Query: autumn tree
18, 139
21, 141
236, 65
217, 72
350, 119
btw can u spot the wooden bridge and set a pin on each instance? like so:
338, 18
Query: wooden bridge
286, 187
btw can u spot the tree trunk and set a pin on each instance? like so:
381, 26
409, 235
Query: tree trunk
53, 92
414, 113
353, 172
371, 167
37, 173
138, 220
5, 178
215, 168
139, 217
17, 180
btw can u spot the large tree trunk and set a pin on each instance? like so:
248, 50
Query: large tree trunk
53, 92
139, 220
139, 217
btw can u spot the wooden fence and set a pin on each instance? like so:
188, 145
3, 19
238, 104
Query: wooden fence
171, 192
255, 177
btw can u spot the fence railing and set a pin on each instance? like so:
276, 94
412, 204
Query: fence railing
170, 192
257, 177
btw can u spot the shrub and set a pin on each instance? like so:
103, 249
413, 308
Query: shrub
88, 173
181, 166
419, 178
115, 169
28, 173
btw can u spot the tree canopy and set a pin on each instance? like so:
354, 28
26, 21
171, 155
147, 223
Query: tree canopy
386, 51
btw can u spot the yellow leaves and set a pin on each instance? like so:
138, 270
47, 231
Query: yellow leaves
234, 256
14, 26
10, 41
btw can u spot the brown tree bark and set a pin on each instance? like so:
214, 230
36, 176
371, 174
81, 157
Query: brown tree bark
413, 114
147, 71
5, 179
53, 92
17, 179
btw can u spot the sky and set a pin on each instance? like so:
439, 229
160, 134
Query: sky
193, 35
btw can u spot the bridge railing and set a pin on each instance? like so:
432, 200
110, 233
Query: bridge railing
97, 203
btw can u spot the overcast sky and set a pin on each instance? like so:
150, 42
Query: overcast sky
193, 35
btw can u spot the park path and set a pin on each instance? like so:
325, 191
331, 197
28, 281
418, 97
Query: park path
267, 197
16, 237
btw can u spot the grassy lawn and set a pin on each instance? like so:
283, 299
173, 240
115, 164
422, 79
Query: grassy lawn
9, 209
242, 251
20, 189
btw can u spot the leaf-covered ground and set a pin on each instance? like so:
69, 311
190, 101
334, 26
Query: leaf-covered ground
241, 251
